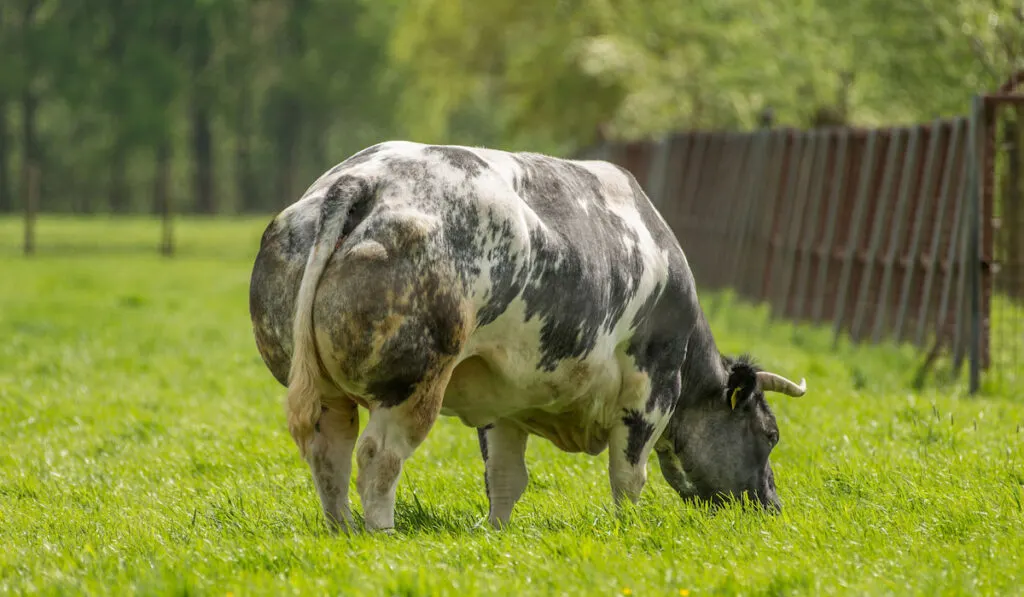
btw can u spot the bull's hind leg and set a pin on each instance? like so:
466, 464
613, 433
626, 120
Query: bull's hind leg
330, 459
503, 447
643, 419
392, 435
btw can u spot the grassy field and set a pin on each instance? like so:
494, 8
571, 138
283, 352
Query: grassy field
145, 451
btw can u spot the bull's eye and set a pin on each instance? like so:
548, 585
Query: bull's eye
773, 437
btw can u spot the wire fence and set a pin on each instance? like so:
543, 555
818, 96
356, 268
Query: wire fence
887, 235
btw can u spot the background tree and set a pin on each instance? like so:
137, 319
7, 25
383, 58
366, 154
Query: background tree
220, 106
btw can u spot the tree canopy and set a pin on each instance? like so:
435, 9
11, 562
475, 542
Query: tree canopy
243, 102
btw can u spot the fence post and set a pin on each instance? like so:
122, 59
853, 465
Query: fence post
31, 190
977, 108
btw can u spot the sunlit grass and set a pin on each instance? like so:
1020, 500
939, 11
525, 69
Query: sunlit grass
145, 452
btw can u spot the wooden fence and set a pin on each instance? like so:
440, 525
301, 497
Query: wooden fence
884, 234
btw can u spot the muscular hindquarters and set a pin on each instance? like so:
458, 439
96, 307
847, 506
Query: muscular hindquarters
386, 322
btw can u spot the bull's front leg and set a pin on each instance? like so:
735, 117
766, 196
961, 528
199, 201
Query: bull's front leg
634, 434
629, 446
503, 447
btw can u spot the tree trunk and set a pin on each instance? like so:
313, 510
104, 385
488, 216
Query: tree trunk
118, 179
29, 104
30, 152
202, 134
161, 178
6, 200
202, 153
246, 187
162, 196
289, 127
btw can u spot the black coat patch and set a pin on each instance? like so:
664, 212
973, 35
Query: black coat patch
481, 435
585, 269
640, 432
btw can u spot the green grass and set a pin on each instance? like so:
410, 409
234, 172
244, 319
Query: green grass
145, 451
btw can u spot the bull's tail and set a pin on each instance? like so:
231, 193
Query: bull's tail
303, 403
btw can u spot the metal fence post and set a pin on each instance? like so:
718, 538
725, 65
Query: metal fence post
974, 252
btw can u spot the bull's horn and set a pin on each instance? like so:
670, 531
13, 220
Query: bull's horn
772, 382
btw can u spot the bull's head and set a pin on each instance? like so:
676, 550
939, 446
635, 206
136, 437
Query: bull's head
719, 447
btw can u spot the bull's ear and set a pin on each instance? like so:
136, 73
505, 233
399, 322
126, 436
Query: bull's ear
738, 394
742, 383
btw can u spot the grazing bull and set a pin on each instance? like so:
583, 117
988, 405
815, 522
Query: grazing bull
522, 293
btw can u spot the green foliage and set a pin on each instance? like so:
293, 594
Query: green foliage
641, 68
284, 89
146, 452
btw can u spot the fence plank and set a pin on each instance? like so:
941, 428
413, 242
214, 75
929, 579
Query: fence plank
933, 262
766, 208
691, 182
657, 179
881, 216
737, 174
779, 231
925, 200
809, 230
748, 207
671, 208
859, 207
954, 242
896, 233
697, 238
796, 219
838, 186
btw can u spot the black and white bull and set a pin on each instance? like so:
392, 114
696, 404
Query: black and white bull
524, 294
